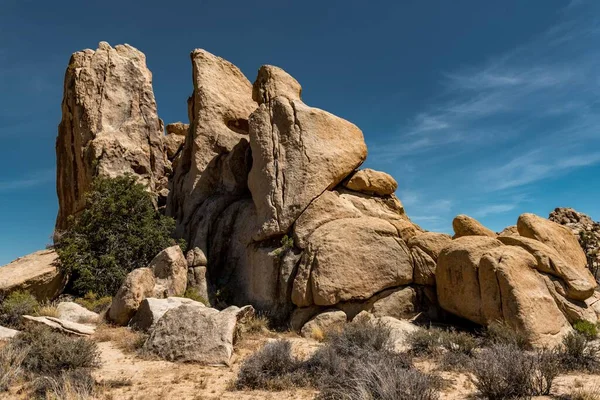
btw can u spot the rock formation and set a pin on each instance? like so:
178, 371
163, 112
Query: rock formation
109, 125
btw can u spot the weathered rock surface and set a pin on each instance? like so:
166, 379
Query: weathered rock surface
73, 312
170, 272
215, 158
194, 333
401, 303
425, 249
464, 225
322, 324
457, 276
579, 281
109, 125
399, 329
68, 327
138, 285
151, 310
36, 273
7, 333
372, 182
298, 152
350, 259
553, 235
510, 231
512, 291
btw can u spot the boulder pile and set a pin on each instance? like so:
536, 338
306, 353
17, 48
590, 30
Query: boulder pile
268, 193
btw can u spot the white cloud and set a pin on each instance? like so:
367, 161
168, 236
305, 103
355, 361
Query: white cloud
484, 211
36, 179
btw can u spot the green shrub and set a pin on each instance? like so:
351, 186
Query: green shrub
500, 333
118, 231
93, 302
51, 353
15, 305
587, 329
577, 354
194, 294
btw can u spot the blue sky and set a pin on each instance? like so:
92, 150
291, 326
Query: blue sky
478, 107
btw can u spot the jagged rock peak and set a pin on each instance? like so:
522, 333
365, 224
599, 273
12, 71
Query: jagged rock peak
109, 125
272, 82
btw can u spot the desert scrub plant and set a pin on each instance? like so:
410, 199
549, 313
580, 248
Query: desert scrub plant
193, 294
454, 349
93, 302
15, 305
50, 353
499, 332
11, 360
75, 384
584, 394
271, 368
577, 353
118, 231
286, 242
507, 372
587, 329
47, 310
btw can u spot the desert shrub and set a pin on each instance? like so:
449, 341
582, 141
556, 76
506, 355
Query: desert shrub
507, 372
587, 329
500, 333
15, 305
51, 353
453, 349
118, 231
272, 368
93, 302
11, 359
359, 337
47, 310
75, 384
584, 394
194, 294
577, 353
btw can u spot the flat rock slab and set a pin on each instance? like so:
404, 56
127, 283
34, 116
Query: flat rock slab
7, 333
73, 312
71, 328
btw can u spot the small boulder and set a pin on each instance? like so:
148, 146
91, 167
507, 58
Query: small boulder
73, 312
372, 182
177, 129
196, 258
322, 324
401, 303
138, 285
36, 273
464, 225
7, 333
170, 270
194, 333
151, 310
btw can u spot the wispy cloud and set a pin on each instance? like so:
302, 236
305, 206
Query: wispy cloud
35, 179
491, 209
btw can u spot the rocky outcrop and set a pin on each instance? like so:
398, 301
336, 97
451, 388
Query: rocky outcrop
165, 276
298, 152
425, 249
194, 333
464, 225
109, 125
36, 273
370, 181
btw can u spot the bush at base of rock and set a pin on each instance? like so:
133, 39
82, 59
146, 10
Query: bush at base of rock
15, 305
118, 231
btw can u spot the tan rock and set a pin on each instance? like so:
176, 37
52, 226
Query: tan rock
464, 225
173, 145
298, 152
510, 231
64, 326
36, 273
324, 323
351, 259
73, 312
399, 329
151, 310
372, 182
215, 157
579, 281
272, 82
7, 333
196, 258
425, 249
401, 303
138, 285
457, 276
573, 310
514, 292
170, 272
193, 333
301, 315
196, 281
177, 129
109, 125
553, 235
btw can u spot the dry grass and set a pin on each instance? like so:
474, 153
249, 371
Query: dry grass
585, 394
47, 310
11, 361
124, 338
317, 334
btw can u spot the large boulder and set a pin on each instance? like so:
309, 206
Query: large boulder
194, 333
514, 292
351, 259
425, 249
553, 235
457, 276
36, 273
464, 225
215, 158
170, 271
109, 125
372, 182
151, 310
580, 283
138, 285
298, 152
